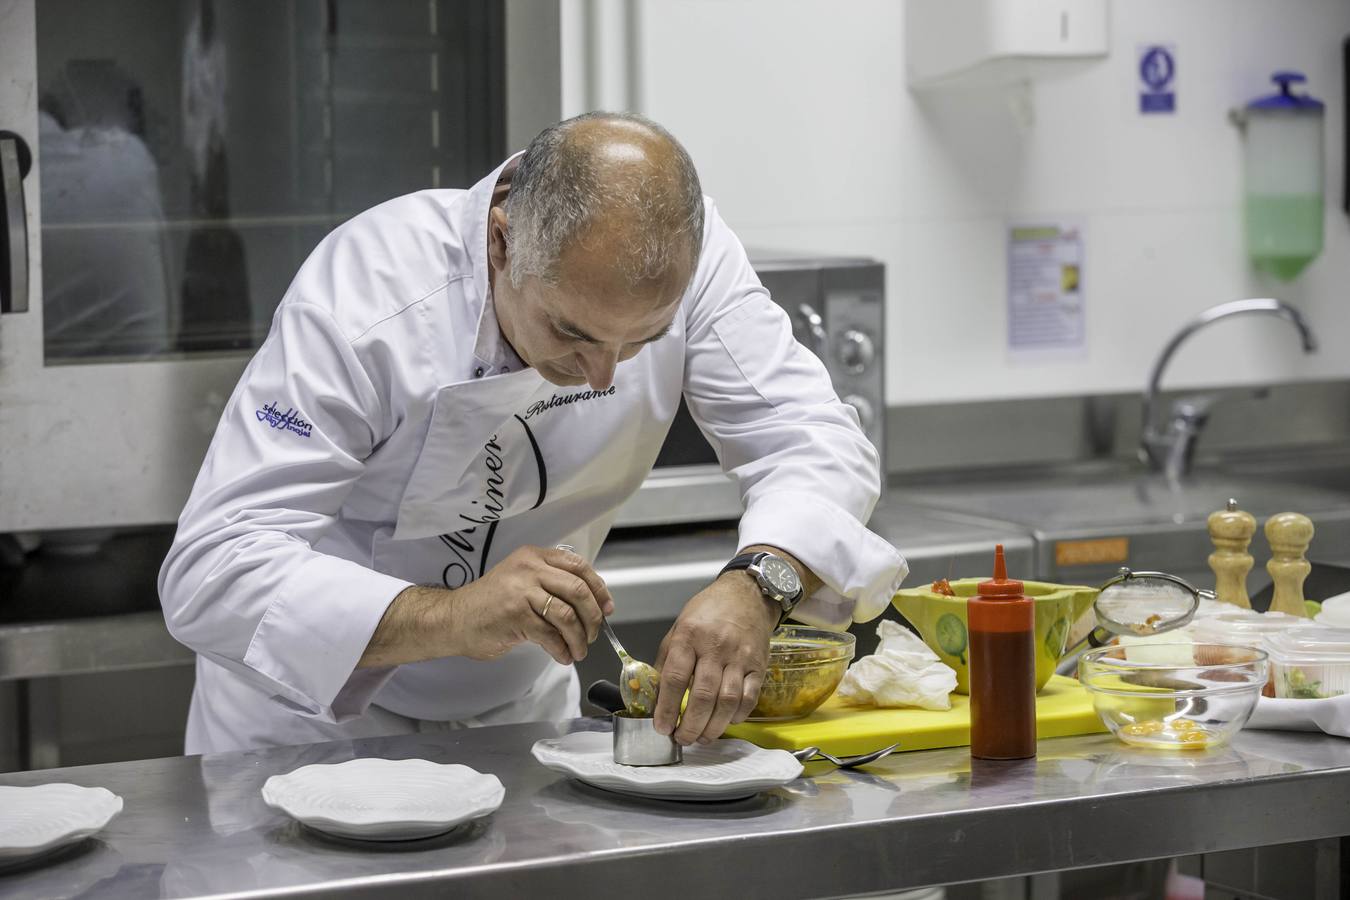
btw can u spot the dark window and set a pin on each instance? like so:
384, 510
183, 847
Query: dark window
193, 152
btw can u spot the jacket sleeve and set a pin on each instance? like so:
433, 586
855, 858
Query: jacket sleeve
807, 474
242, 584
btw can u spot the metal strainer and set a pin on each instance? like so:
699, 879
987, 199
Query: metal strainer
1140, 604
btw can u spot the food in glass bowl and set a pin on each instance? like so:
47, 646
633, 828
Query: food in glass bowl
1182, 696
805, 667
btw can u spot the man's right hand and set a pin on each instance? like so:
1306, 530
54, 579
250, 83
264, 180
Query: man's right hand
508, 606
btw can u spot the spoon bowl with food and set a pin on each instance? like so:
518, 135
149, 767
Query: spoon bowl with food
638, 681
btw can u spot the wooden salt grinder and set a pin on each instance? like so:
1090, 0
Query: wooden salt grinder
1231, 530
1289, 535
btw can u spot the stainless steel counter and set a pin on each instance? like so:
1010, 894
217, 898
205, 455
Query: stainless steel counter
196, 826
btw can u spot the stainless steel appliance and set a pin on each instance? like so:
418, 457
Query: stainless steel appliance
837, 307
165, 167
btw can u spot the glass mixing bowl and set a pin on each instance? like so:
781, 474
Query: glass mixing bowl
805, 667
1182, 696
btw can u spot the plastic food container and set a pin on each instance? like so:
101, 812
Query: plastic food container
1310, 663
1243, 627
805, 667
1182, 696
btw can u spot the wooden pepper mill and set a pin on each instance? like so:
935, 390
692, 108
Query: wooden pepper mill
1231, 530
1289, 535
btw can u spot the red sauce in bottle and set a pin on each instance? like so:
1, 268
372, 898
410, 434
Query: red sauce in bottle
1002, 625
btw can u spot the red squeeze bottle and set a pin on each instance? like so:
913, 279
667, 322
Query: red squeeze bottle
1002, 668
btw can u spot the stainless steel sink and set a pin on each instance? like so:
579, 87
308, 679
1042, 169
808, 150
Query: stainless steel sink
1323, 469
1087, 524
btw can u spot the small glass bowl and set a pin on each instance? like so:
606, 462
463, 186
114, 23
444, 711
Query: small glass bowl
805, 667
1182, 696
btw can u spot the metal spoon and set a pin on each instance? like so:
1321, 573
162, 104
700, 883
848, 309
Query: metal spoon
638, 682
808, 754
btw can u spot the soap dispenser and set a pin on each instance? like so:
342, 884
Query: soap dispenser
1283, 178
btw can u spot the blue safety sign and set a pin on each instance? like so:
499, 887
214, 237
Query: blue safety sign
1157, 79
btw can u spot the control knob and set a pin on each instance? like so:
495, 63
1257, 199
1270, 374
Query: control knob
867, 413
856, 351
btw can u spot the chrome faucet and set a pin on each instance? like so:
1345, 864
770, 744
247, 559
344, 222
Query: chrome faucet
1171, 451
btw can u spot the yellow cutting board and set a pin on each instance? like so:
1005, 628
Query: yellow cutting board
1063, 708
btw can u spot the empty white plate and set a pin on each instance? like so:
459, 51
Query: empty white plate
41, 819
384, 799
723, 770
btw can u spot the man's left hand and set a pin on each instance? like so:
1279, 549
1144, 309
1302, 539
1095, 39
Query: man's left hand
718, 649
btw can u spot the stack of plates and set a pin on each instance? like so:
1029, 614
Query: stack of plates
384, 799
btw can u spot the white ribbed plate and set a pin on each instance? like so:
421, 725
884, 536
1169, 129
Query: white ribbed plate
723, 770
384, 799
36, 820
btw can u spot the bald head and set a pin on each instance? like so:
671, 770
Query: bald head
609, 184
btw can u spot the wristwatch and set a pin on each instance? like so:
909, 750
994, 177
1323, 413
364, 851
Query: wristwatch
775, 576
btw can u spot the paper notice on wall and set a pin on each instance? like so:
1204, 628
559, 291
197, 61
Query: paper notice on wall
1045, 287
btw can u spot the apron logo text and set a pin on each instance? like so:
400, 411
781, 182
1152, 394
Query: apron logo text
544, 405
464, 542
472, 544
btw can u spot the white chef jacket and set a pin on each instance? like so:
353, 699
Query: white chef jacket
386, 435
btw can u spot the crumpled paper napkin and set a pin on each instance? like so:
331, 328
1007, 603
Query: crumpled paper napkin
903, 672
1331, 715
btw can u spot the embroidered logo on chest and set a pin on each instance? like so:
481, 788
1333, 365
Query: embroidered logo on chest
286, 421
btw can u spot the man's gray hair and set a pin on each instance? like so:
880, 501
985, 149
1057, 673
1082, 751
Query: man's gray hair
563, 187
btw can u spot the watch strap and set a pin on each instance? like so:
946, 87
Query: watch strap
744, 561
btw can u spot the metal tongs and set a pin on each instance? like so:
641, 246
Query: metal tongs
1139, 604
814, 754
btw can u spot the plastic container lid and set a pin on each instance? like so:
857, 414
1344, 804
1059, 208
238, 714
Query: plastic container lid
1335, 611
1208, 609
1310, 644
1000, 585
1286, 99
1243, 627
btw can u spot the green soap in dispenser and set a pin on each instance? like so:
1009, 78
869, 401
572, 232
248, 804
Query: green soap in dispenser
1283, 179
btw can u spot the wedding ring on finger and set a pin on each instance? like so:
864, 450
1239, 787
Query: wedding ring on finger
547, 604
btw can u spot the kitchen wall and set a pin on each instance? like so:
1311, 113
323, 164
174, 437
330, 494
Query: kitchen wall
798, 115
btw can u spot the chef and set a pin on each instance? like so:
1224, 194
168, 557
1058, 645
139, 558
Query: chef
459, 381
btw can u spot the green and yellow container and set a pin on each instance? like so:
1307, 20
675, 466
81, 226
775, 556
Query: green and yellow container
941, 622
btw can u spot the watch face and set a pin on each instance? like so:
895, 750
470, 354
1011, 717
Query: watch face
781, 576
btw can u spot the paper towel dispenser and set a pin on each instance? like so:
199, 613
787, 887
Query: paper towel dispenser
968, 43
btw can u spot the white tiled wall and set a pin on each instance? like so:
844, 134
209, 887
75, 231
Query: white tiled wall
799, 118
